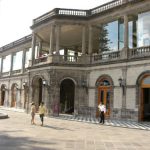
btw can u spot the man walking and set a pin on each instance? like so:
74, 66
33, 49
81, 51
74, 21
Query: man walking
42, 112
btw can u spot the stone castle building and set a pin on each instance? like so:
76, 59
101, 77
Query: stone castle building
76, 58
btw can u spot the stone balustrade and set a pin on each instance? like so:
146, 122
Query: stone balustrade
40, 60
106, 56
80, 13
15, 72
106, 6
4, 74
16, 43
139, 52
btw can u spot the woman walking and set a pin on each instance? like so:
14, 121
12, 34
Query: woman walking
33, 111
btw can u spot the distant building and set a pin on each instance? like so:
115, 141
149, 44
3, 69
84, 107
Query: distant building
76, 58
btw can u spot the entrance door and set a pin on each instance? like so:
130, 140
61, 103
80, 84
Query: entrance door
38, 94
145, 99
104, 97
2, 97
67, 89
145, 105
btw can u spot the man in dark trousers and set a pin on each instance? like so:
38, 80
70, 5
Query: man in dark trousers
102, 110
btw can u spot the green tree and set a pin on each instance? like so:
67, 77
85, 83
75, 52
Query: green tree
103, 40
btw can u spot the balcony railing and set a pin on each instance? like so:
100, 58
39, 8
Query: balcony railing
139, 52
69, 58
106, 57
95, 58
106, 6
18, 42
5, 74
40, 60
61, 12
15, 72
81, 13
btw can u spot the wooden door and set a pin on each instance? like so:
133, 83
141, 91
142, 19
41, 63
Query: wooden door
144, 110
104, 97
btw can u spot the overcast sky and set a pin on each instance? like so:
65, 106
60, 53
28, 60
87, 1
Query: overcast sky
16, 15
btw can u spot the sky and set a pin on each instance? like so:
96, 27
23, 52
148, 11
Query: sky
16, 15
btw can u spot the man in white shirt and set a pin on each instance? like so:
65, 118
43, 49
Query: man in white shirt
102, 110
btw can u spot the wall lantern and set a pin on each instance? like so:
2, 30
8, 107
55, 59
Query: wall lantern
4, 88
45, 82
84, 83
122, 83
24, 84
17, 87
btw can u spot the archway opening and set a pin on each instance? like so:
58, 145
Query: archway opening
14, 95
3, 93
67, 90
37, 91
145, 99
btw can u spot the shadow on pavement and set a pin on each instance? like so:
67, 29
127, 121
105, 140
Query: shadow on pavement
8, 142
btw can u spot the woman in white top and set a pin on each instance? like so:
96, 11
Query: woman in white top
33, 111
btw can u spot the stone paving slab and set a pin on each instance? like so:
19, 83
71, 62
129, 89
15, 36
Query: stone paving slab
16, 133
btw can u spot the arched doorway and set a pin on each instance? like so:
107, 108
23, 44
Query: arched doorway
37, 87
145, 99
14, 95
3, 93
104, 88
67, 90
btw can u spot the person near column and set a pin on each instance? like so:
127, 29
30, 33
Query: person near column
42, 112
33, 111
102, 110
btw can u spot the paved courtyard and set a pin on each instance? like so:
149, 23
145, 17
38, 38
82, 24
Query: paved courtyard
16, 133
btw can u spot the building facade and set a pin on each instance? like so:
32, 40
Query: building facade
75, 59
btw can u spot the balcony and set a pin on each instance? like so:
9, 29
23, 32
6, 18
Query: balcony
135, 53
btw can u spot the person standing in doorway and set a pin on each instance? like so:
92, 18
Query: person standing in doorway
33, 111
42, 112
102, 110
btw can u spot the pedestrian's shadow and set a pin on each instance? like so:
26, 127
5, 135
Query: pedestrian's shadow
56, 128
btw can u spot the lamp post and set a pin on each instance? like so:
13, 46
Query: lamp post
84, 85
122, 83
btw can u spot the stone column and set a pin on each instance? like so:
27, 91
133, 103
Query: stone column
125, 49
125, 31
1, 71
65, 54
11, 65
90, 40
33, 47
7, 98
40, 48
57, 38
124, 75
83, 40
18, 100
23, 60
51, 42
